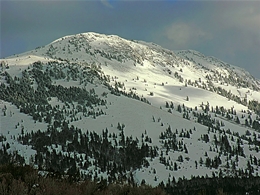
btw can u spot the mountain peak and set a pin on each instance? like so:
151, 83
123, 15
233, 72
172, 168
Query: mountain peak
89, 36
92, 47
95, 96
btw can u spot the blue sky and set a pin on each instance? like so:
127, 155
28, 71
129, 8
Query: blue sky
227, 30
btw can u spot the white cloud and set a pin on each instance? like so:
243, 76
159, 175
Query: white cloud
244, 22
106, 3
183, 35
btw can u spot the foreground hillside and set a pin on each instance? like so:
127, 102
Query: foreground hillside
99, 107
25, 180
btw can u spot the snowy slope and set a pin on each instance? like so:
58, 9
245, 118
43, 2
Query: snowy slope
134, 57
186, 78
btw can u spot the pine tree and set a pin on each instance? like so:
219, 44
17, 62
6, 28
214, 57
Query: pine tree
179, 109
175, 166
237, 120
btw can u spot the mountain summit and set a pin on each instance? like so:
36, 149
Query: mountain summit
102, 107
93, 47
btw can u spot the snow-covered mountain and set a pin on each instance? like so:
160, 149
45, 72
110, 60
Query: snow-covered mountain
129, 110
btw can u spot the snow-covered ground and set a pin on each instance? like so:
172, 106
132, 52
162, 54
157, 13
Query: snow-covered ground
152, 72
